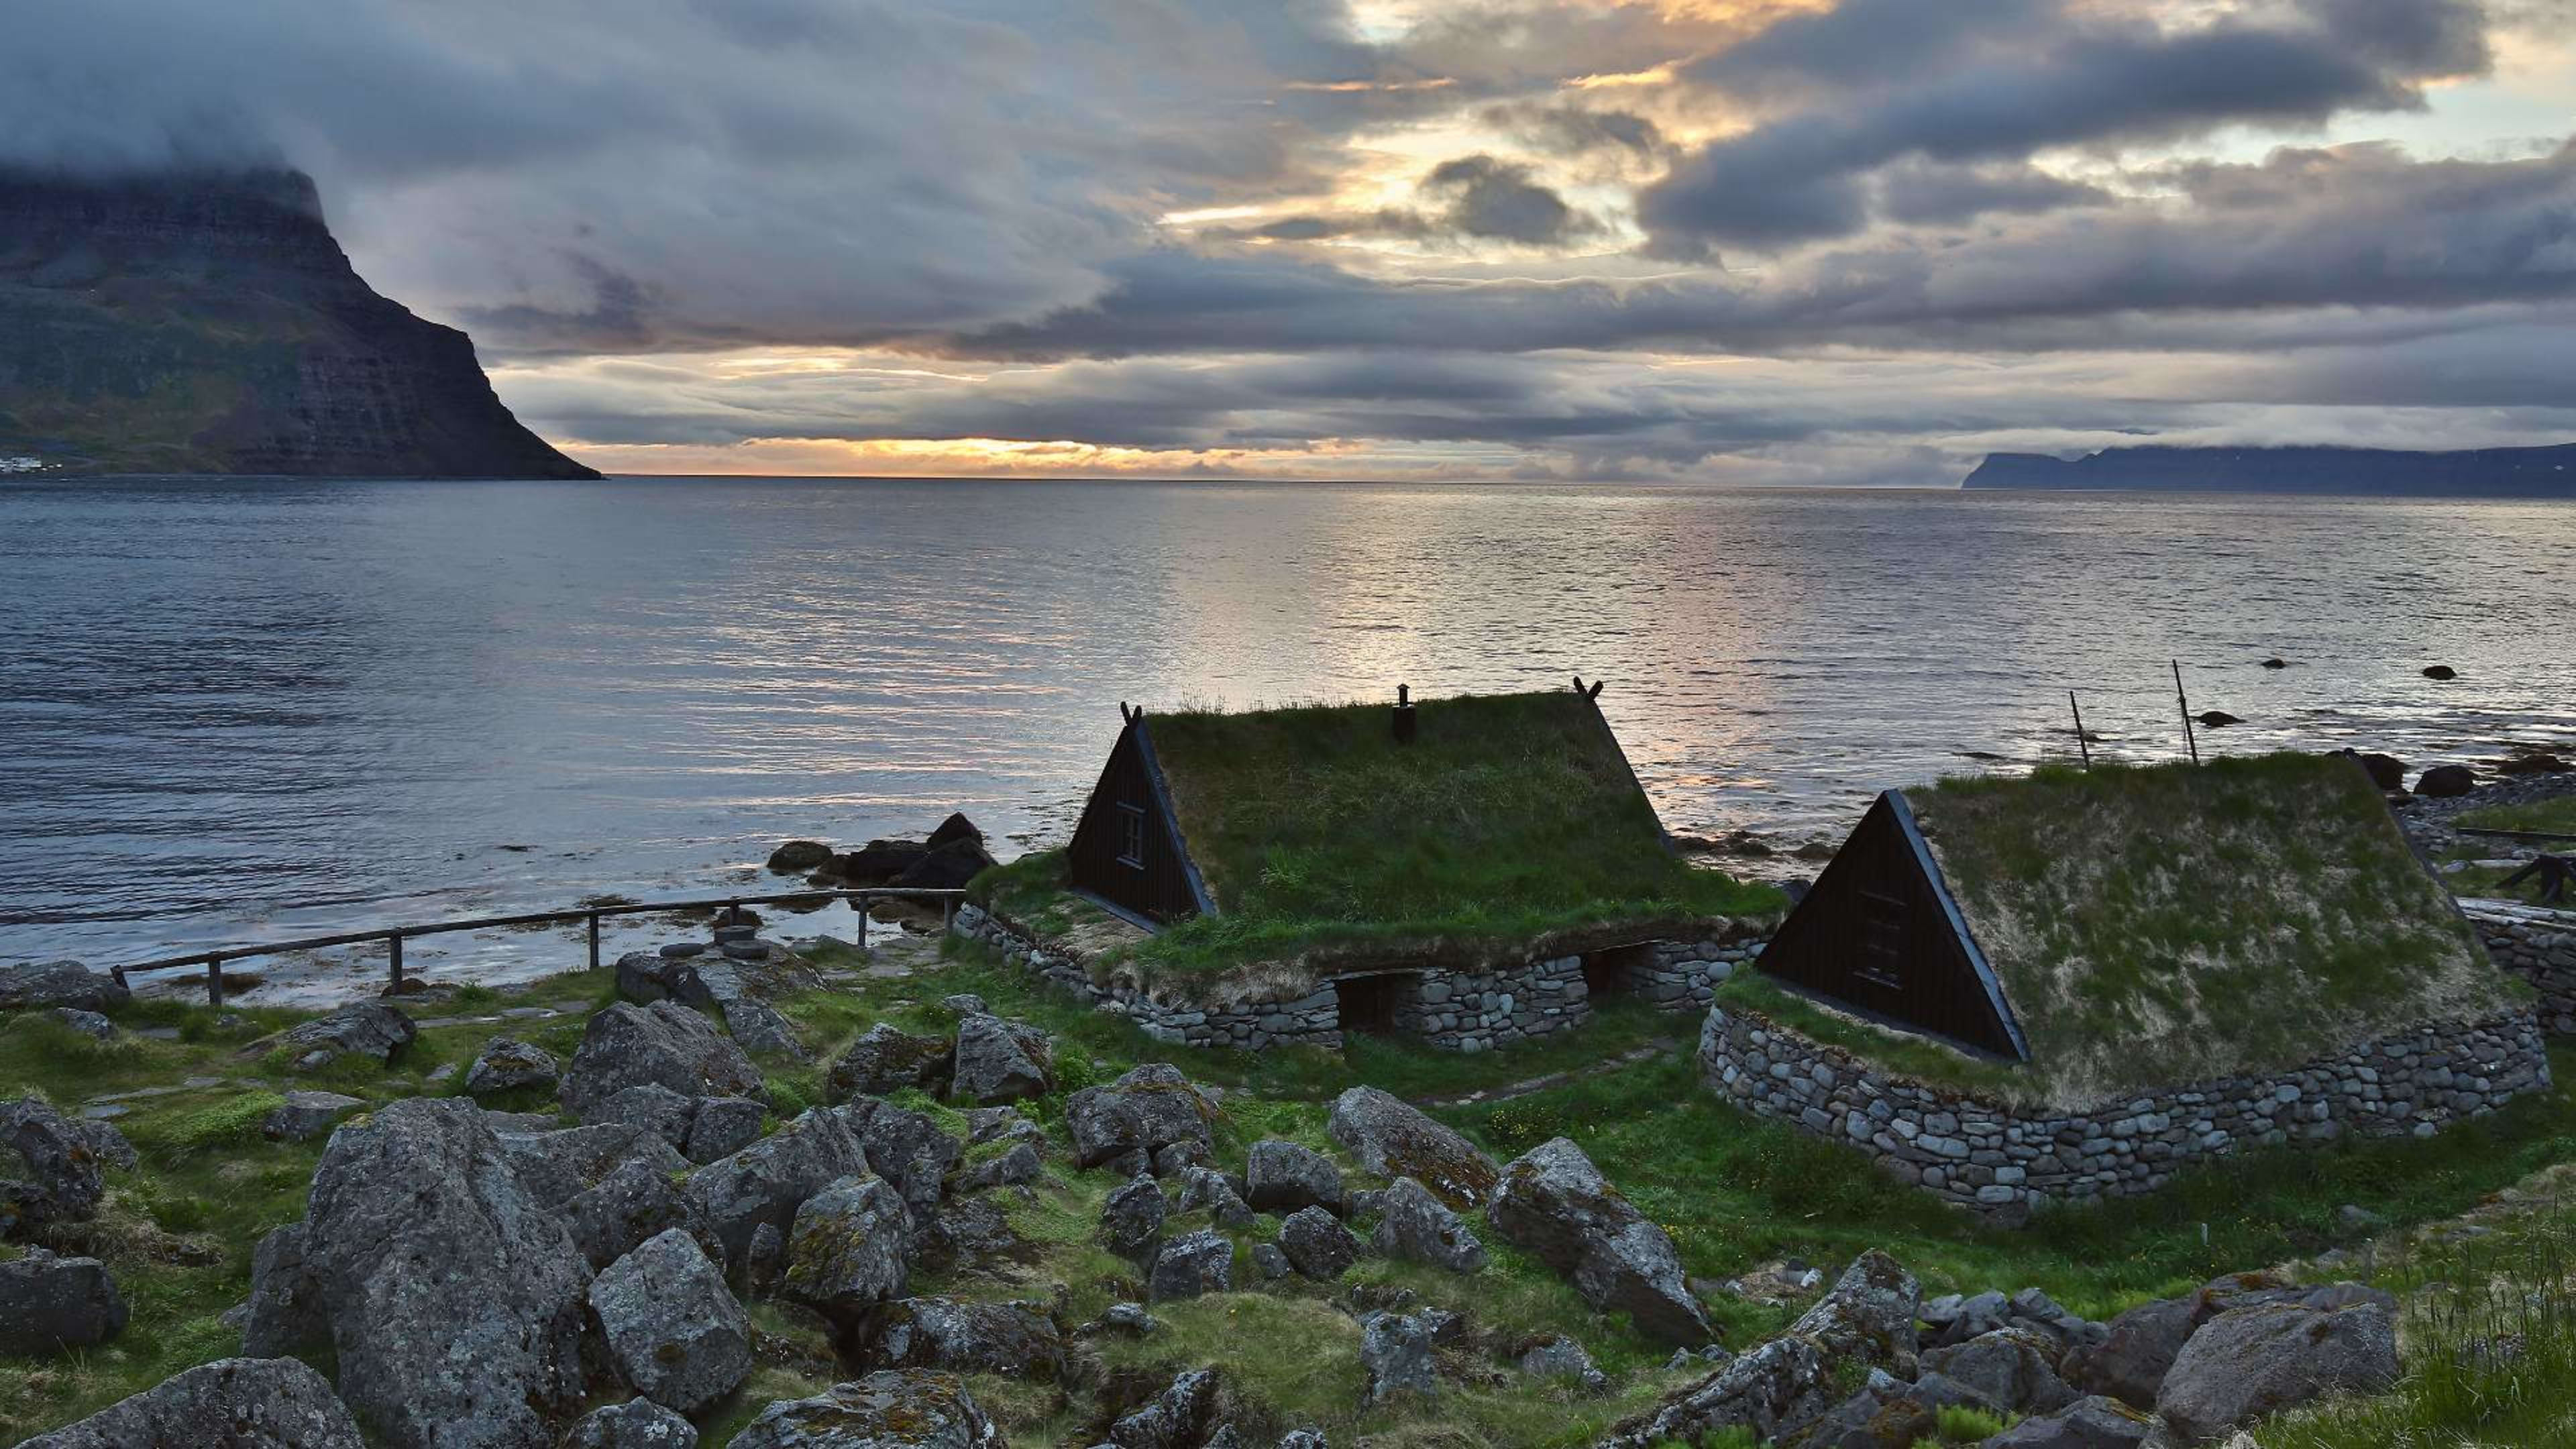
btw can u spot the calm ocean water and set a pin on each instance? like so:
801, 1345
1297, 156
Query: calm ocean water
244, 710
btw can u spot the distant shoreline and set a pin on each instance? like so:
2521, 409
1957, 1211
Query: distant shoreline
2547, 474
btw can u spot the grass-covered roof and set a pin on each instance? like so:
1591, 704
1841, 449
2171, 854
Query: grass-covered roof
1509, 819
2174, 923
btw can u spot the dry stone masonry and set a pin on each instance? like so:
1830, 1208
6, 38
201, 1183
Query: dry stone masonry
1463, 1011
2537, 945
1978, 1151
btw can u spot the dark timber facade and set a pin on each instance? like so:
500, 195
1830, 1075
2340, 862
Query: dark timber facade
1128, 851
1879, 933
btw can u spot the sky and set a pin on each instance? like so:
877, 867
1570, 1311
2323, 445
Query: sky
1758, 242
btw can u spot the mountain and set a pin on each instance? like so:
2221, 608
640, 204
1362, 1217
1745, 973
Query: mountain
2482, 473
208, 323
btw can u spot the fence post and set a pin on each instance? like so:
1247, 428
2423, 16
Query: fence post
393, 939
214, 981
594, 940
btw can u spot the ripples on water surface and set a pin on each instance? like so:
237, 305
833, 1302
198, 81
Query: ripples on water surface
233, 710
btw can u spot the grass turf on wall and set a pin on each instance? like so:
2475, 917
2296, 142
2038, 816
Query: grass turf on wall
2169, 924
1509, 820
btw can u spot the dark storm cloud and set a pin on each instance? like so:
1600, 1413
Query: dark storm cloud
1480, 197
1576, 130
2363, 228
1926, 193
2061, 77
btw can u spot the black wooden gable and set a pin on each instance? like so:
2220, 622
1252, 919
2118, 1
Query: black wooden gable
1128, 850
1880, 933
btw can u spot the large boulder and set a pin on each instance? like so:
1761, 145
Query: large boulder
1148, 1108
673, 1329
1392, 1138
662, 1044
1771, 1389
1131, 1219
304, 1116
285, 1308
906, 1148
665, 1113
2248, 1362
878, 862
2131, 1362
1187, 1266
1415, 1225
49, 1304
63, 1162
1017, 1339
560, 1164
849, 1247
999, 1061
635, 1424
721, 1127
945, 868
1317, 1244
1395, 1351
455, 1298
954, 829
2010, 1368
765, 1183
507, 1064
1867, 1316
1180, 1417
636, 1201
1281, 1177
232, 1403
890, 1409
2092, 1423
1554, 1203
884, 1060
29, 985
1205, 1187
797, 857
369, 1029
2446, 782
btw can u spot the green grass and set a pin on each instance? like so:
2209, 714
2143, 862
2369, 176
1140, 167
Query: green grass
2487, 1349
1734, 1192
1902, 1053
2556, 816
1511, 818
2174, 923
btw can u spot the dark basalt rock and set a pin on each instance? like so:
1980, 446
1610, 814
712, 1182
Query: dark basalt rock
1148, 1108
2440, 671
50, 1303
369, 1029
797, 857
232, 1403
2445, 782
206, 322
664, 1044
1392, 1138
59, 984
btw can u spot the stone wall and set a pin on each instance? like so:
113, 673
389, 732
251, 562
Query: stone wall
1984, 1153
1474, 1011
2537, 945
1466, 1011
1685, 975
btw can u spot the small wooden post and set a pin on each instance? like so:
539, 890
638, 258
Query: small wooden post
393, 951
2185, 701
2080, 745
594, 940
214, 981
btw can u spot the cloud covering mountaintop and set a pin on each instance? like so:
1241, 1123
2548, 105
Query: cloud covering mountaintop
1733, 240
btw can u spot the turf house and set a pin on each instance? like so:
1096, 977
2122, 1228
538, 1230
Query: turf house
1468, 871
2072, 983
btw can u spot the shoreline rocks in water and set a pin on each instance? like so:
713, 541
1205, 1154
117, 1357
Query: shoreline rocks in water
950, 856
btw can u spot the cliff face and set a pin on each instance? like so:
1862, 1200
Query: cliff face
210, 324
2476, 473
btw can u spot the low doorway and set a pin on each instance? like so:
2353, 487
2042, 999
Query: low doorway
1615, 970
1369, 1004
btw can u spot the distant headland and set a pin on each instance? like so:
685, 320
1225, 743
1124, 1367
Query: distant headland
2478, 473
209, 323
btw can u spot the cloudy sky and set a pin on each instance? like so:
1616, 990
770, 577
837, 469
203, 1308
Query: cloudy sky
1756, 241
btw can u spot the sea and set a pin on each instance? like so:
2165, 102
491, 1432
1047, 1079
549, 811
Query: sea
236, 711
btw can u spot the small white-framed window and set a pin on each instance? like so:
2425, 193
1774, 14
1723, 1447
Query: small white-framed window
1131, 835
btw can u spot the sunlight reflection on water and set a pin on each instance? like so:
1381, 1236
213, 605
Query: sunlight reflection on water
233, 710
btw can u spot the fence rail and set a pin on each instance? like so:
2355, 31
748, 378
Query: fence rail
394, 936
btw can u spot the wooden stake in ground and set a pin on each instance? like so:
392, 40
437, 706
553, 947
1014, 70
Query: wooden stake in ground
2185, 701
2085, 749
